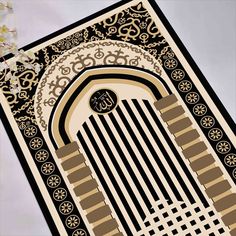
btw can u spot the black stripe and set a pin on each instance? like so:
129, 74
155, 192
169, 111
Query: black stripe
133, 156
112, 178
126, 163
178, 157
154, 154
105, 186
144, 155
163, 150
117, 166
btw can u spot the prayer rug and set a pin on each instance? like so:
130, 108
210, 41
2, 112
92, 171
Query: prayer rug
119, 133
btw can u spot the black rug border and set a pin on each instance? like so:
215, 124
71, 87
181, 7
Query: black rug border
194, 66
28, 173
178, 42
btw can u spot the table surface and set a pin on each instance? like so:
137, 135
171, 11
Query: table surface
207, 29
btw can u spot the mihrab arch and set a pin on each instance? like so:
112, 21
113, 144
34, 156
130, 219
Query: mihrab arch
120, 159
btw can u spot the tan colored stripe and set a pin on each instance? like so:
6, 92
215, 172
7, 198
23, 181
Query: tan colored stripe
172, 113
165, 102
210, 175
105, 227
228, 210
89, 193
226, 202
215, 181
91, 209
233, 226
67, 149
229, 218
175, 119
118, 234
218, 189
217, 198
169, 107
98, 214
79, 174
92, 200
202, 154
73, 162
86, 187
190, 144
206, 168
233, 232
183, 131
202, 162
113, 233
187, 137
180, 125
76, 168
77, 152
82, 180
102, 220
194, 150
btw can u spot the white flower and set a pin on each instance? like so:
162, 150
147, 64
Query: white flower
3, 66
13, 80
2, 7
25, 57
14, 32
14, 49
13, 66
28, 66
15, 90
8, 76
37, 68
6, 6
4, 29
31, 55
9, 5
2, 39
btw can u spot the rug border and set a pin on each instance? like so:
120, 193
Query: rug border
28, 173
194, 66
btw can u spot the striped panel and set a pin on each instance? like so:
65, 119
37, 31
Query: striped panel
225, 202
133, 166
210, 176
86, 188
202, 162
73, 162
99, 213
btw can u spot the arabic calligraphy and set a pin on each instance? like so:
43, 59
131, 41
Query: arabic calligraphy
103, 101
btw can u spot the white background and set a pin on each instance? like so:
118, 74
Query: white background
206, 27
